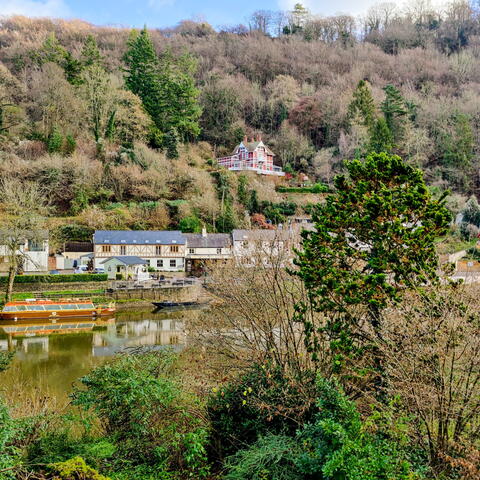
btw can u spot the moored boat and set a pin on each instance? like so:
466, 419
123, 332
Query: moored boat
160, 305
44, 308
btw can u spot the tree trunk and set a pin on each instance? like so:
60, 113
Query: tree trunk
11, 277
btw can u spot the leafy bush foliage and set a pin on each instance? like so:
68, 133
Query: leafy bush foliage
74, 278
74, 469
264, 400
145, 413
336, 445
271, 457
317, 188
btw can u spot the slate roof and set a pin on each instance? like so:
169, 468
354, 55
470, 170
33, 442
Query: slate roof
260, 235
140, 237
251, 146
211, 240
127, 260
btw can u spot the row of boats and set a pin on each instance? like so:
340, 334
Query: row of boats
34, 308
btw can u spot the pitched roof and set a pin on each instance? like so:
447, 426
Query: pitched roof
260, 235
211, 240
140, 237
128, 260
251, 146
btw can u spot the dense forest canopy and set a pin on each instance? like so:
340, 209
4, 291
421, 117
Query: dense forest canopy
75, 116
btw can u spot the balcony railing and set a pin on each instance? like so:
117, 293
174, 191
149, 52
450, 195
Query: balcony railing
233, 163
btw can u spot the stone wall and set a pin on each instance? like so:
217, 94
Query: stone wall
175, 294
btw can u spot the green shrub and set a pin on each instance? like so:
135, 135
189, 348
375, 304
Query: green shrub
73, 278
55, 141
70, 145
9, 455
338, 445
146, 414
190, 225
263, 401
74, 232
317, 188
74, 469
272, 457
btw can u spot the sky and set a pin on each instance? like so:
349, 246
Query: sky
164, 13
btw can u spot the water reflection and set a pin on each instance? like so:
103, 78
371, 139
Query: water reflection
52, 356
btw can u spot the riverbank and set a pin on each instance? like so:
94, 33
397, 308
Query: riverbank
126, 299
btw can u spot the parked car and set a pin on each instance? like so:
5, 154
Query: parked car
99, 270
54, 272
81, 269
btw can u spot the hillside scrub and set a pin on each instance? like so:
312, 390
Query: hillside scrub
75, 119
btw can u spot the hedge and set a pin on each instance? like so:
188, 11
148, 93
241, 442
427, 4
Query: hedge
73, 278
317, 188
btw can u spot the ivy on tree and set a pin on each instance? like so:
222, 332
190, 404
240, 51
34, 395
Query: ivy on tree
373, 240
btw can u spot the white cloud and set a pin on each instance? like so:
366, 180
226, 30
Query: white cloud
34, 8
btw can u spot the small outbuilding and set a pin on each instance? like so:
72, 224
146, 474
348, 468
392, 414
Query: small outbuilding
126, 268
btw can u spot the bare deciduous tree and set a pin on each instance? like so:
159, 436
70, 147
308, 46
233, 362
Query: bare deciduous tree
22, 222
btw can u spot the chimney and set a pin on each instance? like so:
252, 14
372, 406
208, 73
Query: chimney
204, 231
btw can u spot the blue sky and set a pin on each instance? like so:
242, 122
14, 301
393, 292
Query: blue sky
161, 13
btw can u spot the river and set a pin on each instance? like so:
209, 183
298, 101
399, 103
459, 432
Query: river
49, 362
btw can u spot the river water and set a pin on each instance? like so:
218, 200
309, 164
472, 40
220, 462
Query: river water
50, 361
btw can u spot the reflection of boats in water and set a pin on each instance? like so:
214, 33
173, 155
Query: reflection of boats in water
30, 328
44, 308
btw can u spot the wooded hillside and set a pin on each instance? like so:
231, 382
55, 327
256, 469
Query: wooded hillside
117, 151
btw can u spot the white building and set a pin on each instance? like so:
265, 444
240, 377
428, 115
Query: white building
126, 268
253, 246
162, 250
33, 255
207, 248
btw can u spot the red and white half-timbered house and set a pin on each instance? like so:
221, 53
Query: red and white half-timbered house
254, 156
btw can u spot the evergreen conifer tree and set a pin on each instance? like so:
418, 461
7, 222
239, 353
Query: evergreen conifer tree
395, 110
381, 138
363, 105
90, 53
373, 241
166, 88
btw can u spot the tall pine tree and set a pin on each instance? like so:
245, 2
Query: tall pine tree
362, 105
166, 88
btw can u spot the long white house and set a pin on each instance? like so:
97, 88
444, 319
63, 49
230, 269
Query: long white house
162, 250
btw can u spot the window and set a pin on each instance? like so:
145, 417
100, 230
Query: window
158, 250
35, 246
219, 251
159, 263
53, 307
174, 248
173, 263
191, 250
123, 250
106, 248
